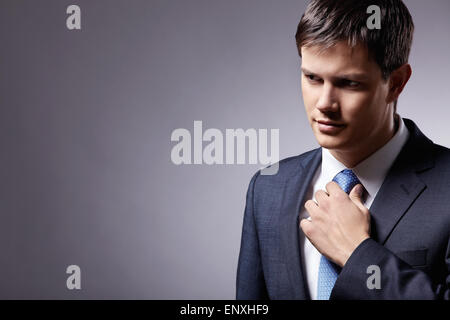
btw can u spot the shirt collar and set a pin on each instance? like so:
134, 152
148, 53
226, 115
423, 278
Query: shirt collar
372, 171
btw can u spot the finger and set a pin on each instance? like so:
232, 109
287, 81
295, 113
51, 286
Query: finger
356, 197
321, 197
333, 188
312, 208
307, 227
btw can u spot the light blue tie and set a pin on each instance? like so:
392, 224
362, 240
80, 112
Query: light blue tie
328, 271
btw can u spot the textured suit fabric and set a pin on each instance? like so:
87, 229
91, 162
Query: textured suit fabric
410, 223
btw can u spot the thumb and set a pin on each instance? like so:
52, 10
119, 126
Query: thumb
356, 195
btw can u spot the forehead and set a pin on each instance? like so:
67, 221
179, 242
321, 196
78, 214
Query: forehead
338, 59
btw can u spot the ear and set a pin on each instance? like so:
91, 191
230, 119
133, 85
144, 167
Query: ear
397, 81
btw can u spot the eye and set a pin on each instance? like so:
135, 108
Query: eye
312, 78
351, 84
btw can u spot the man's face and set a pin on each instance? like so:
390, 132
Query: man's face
345, 97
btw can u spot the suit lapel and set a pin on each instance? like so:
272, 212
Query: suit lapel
294, 192
398, 192
402, 185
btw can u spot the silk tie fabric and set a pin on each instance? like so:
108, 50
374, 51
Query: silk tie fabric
328, 271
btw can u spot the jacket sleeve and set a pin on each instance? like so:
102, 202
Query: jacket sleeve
399, 281
250, 284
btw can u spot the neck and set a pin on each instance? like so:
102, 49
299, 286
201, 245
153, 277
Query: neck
351, 158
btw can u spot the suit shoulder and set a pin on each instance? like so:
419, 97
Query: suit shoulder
441, 151
442, 157
290, 164
287, 167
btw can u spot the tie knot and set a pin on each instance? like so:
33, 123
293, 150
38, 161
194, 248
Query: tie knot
346, 179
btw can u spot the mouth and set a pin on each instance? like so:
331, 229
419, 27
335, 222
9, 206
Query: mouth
329, 127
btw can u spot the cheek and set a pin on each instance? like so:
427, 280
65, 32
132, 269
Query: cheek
308, 97
358, 105
375, 106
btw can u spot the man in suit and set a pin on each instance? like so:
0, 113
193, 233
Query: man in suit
367, 215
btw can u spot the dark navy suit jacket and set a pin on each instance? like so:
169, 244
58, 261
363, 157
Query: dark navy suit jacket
410, 225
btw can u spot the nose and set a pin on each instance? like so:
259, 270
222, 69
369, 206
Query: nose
327, 101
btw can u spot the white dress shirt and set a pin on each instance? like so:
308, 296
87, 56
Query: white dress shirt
371, 172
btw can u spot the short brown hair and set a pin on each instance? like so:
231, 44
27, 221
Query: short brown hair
325, 22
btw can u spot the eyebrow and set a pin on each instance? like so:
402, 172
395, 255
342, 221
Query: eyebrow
356, 76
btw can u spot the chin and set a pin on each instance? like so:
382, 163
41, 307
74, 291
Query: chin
330, 142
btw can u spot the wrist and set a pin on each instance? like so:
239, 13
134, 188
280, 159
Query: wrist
346, 255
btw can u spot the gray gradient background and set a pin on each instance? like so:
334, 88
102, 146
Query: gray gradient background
85, 124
